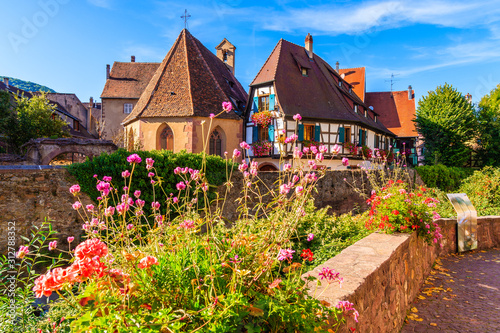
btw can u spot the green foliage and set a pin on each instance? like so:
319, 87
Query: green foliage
331, 233
165, 162
447, 121
28, 85
489, 122
445, 178
483, 190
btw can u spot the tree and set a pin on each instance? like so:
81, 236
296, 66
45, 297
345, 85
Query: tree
447, 122
30, 119
488, 115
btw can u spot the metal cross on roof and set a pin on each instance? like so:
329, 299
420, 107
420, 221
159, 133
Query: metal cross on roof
185, 17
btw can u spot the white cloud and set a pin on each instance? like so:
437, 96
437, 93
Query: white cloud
101, 3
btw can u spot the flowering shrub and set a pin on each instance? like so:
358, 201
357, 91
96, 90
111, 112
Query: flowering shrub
366, 152
139, 272
262, 118
396, 208
352, 148
262, 148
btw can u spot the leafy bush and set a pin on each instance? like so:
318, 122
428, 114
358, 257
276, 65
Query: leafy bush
165, 162
445, 178
483, 190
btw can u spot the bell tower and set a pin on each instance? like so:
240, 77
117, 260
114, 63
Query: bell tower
226, 53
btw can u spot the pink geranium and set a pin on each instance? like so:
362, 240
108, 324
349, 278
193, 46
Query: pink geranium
227, 106
147, 261
74, 189
134, 158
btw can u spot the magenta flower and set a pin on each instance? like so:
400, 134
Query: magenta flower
175, 200
319, 157
212, 116
90, 208
347, 306
137, 193
70, 239
244, 145
299, 190
23, 251
177, 170
180, 186
149, 163
243, 166
107, 178
312, 164
286, 254
285, 188
336, 149
74, 189
151, 174
287, 167
297, 153
297, 117
227, 106
323, 149
306, 150
134, 158
130, 226
125, 174
236, 153
310, 237
77, 205
52, 245
122, 208
330, 275
295, 178
345, 161
140, 203
155, 205
109, 211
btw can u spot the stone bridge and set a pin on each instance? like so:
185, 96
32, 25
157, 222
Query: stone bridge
42, 151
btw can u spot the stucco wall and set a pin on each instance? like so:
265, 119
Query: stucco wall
112, 113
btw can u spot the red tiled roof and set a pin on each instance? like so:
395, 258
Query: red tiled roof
317, 95
128, 79
356, 77
396, 111
190, 81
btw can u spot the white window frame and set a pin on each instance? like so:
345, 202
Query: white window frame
127, 107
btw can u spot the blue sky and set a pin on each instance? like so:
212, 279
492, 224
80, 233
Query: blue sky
66, 44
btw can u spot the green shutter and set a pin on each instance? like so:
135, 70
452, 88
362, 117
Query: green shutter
301, 132
271, 133
255, 134
317, 133
365, 142
255, 104
271, 102
360, 137
341, 135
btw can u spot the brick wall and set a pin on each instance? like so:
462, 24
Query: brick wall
383, 273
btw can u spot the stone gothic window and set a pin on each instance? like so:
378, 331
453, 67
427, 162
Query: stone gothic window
216, 143
167, 139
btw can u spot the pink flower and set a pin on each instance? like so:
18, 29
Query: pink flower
297, 153
90, 208
297, 117
402, 191
286, 254
155, 205
140, 203
312, 164
285, 188
151, 174
130, 226
244, 145
122, 208
310, 237
347, 306
306, 150
177, 170
287, 167
295, 178
175, 200
90, 249
125, 174
180, 186
275, 283
314, 149
149, 163
70, 239
204, 186
52, 245
299, 190
212, 116
77, 205
137, 193
292, 138
107, 178
330, 275
23, 251
236, 153
319, 157
187, 224
227, 106
74, 189
323, 149
147, 261
345, 161
243, 166
134, 158
109, 211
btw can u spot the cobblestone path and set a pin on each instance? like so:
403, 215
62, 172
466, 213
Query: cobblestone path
462, 294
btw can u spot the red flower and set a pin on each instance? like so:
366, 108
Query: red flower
307, 254
395, 212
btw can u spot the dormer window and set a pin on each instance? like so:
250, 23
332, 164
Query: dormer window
356, 108
350, 90
366, 114
304, 72
375, 118
340, 83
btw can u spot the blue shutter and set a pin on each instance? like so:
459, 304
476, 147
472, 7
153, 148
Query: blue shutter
255, 104
271, 102
415, 159
255, 134
317, 133
365, 142
301, 132
341, 135
360, 141
271, 133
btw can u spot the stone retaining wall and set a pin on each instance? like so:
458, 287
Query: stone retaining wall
383, 273
28, 197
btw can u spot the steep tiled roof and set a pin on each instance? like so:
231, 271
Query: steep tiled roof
190, 81
128, 79
316, 95
356, 77
395, 110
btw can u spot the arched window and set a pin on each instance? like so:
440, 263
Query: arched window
167, 139
216, 143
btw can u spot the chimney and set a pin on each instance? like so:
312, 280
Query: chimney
108, 68
410, 93
91, 102
89, 114
337, 66
132, 59
6, 81
309, 46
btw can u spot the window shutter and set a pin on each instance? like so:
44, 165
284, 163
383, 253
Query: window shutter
301, 132
255, 134
415, 159
360, 137
271, 133
341, 135
317, 133
255, 104
271, 102
365, 142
